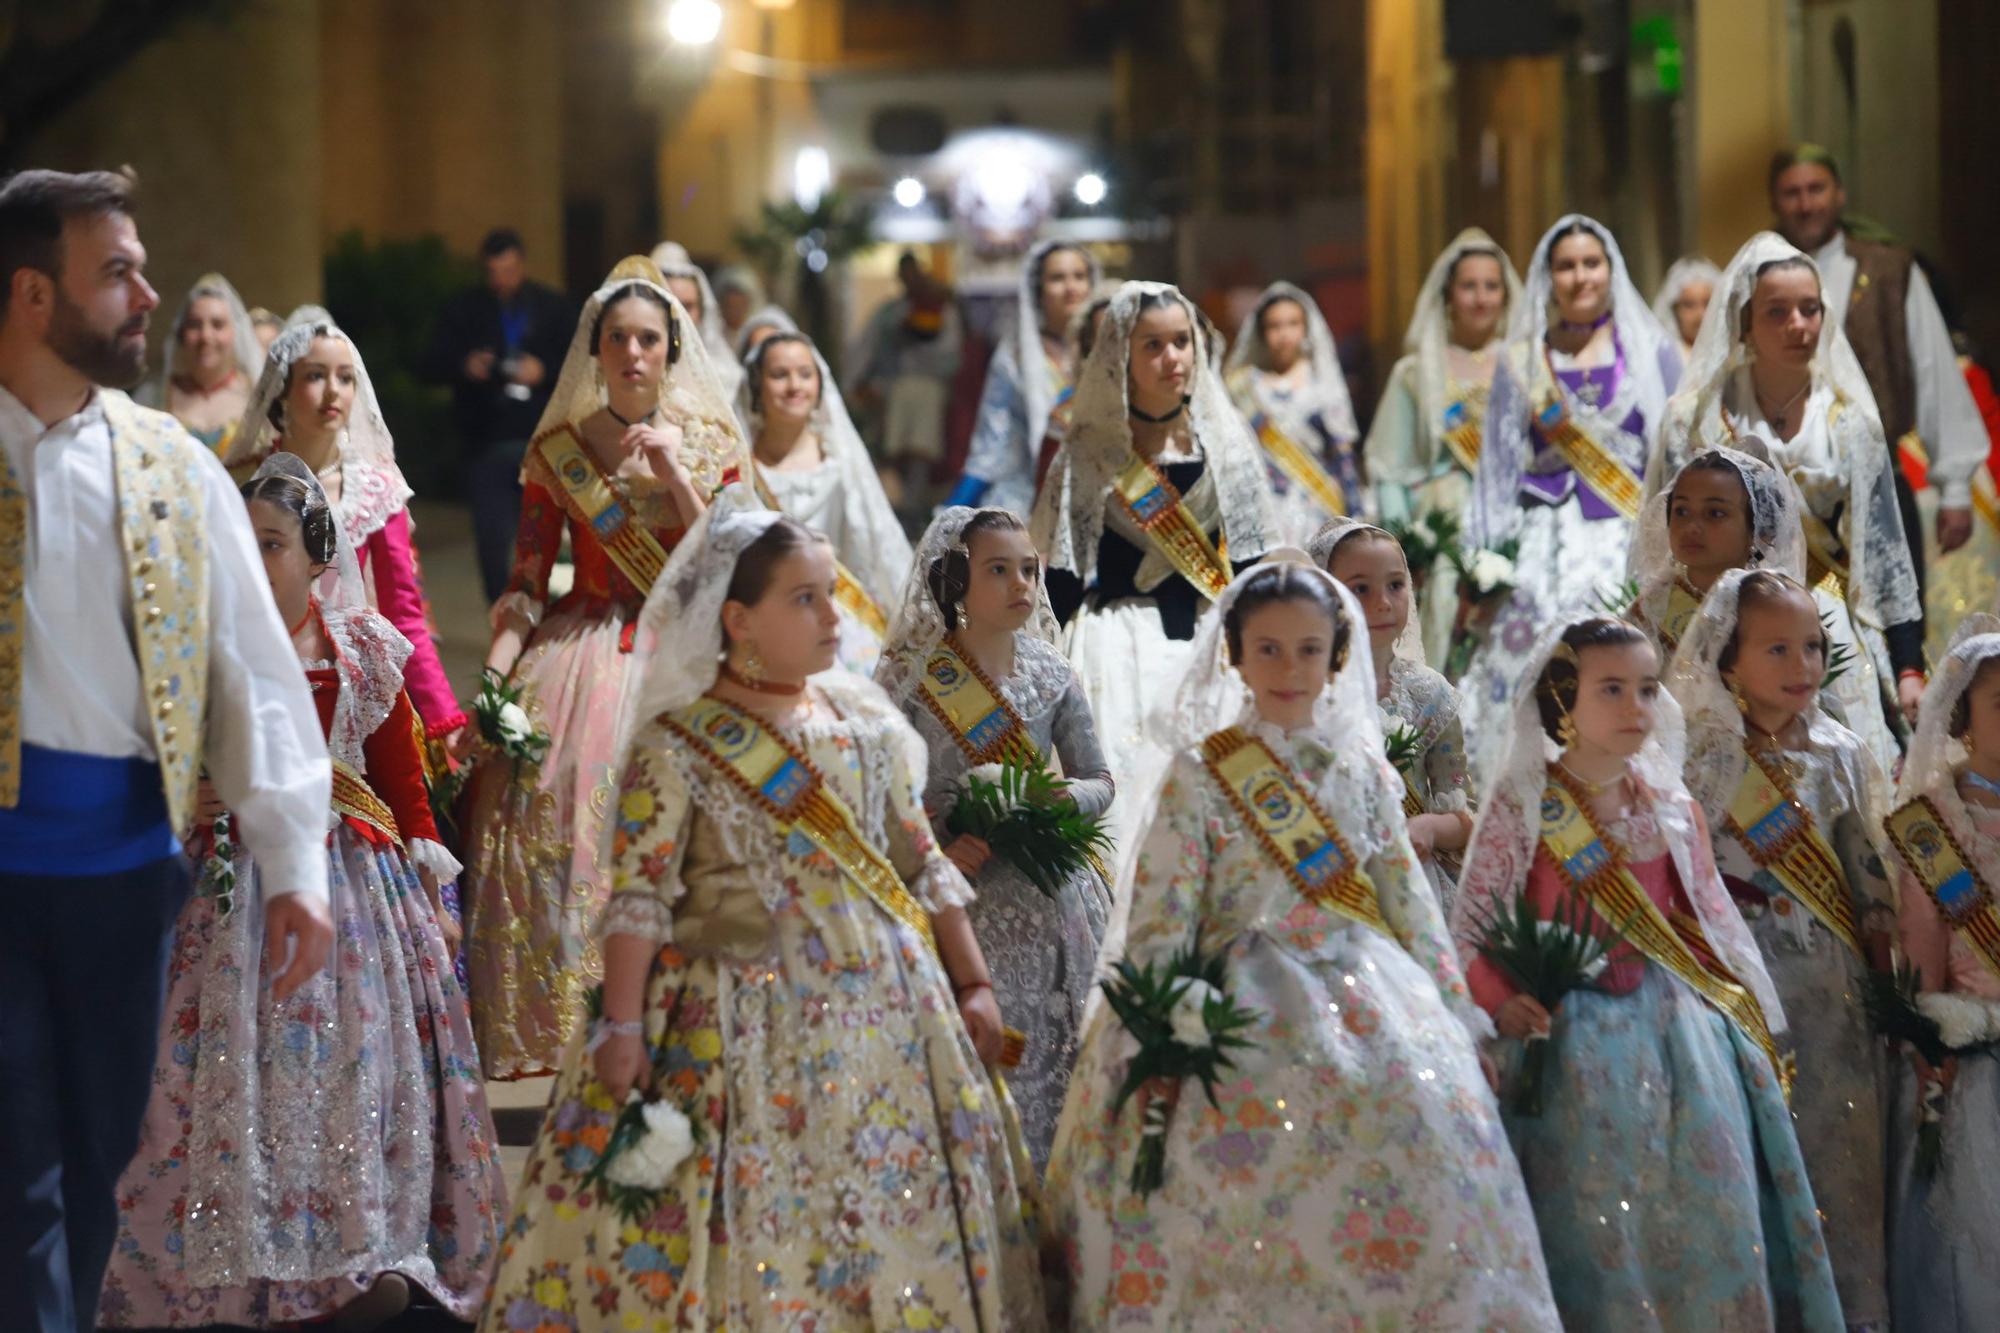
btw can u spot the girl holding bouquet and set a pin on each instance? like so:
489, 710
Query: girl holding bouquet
1666, 1179
1418, 707
1946, 832
790, 971
971, 659
1352, 1168
1794, 805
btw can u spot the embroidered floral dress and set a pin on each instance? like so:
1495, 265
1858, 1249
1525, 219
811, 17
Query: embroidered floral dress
1301, 411
1667, 1182
1041, 950
534, 883
1423, 705
292, 1153
1354, 1172
1837, 1094
853, 1168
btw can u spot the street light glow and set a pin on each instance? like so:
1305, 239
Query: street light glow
812, 174
1090, 189
694, 22
909, 192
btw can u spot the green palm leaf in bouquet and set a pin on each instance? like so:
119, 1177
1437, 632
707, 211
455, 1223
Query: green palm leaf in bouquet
1026, 816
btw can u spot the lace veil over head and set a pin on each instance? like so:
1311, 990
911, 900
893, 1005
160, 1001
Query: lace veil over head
1024, 334
1935, 754
365, 437
917, 625
692, 395
1410, 643
1776, 539
1329, 382
1509, 828
1429, 336
243, 337
1069, 511
671, 258
1680, 276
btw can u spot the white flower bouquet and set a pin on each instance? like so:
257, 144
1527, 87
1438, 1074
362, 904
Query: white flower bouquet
1185, 1025
504, 724
1938, 1026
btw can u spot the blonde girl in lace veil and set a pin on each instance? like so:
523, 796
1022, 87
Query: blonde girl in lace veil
796, 976
688, 281
973, 661
1768, 324
210, 364
812, 465
1794, 805
1663, 1113
1423, 445
1418, 707
1683, 298
331, 1152
1153, 434
1579, 393
1283, 373
1328, 1151
637, 434
1946, 1226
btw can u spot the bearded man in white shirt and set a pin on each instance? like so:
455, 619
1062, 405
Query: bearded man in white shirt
139, 649
1883, 301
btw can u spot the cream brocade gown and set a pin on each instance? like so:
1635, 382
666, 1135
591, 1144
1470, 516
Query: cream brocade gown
855, 1168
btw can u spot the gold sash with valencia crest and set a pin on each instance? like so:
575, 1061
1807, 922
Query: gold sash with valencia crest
1683, 604
779, 781
1767, 818
1465, 425
1590, 864
1934, 857
588, 497
1297, 462
847, 589
1291, 828
1598, 468
1163, 517
959, 694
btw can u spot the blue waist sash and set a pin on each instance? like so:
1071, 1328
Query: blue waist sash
84, 814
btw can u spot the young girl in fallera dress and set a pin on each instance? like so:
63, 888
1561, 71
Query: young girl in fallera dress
973, 641
1284, 376
1946, 835
1794, 805
324, 1154
796, 973
1353, 1172
1666, 1177
1418, 707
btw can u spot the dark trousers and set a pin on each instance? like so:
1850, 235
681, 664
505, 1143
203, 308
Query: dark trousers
83, 965
493, 482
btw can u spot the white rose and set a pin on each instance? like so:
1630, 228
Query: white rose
1490, 569
650, 1161
1190, 1029
513, 723
1962, 1020
988, 772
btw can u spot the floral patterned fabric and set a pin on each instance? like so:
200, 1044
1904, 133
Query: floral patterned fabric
1353, 1172
1042, 951
1838, 1093
854, 1167
1423, 703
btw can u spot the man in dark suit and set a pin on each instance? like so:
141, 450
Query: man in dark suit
499, 346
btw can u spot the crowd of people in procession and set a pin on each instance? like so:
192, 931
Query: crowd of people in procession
1538, 857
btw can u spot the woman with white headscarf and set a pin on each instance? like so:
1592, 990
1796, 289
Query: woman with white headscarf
689, 284
790, 983
1683, 298
315, 400
212, 359
635, 438
1352, 1172
324, 1154
1769, 362
1157, 479
1423, 445
1024, 410
1576, 400
812, 466
1945, 1219
1285, 378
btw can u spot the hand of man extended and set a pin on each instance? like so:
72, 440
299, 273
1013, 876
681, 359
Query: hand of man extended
304, 921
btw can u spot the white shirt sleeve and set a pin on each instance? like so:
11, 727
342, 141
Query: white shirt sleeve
265, 752
1948, 420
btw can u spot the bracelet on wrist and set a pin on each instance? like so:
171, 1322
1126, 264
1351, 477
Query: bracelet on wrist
960, 992
1913, 671
604, 1029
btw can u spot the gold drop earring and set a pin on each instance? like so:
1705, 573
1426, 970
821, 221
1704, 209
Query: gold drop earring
752, 669
1565, 726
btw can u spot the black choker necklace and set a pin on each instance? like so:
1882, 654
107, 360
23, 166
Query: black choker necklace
623, 422
1179, 408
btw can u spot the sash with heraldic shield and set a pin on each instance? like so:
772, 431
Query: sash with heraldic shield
959, 695
1778, 832
1162, 515
1595, 465
587, 496
1938, 862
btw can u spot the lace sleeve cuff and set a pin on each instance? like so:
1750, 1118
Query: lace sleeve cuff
517, 608
1453, 802
434, 857
1477, 1022
638, 914
941, 887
